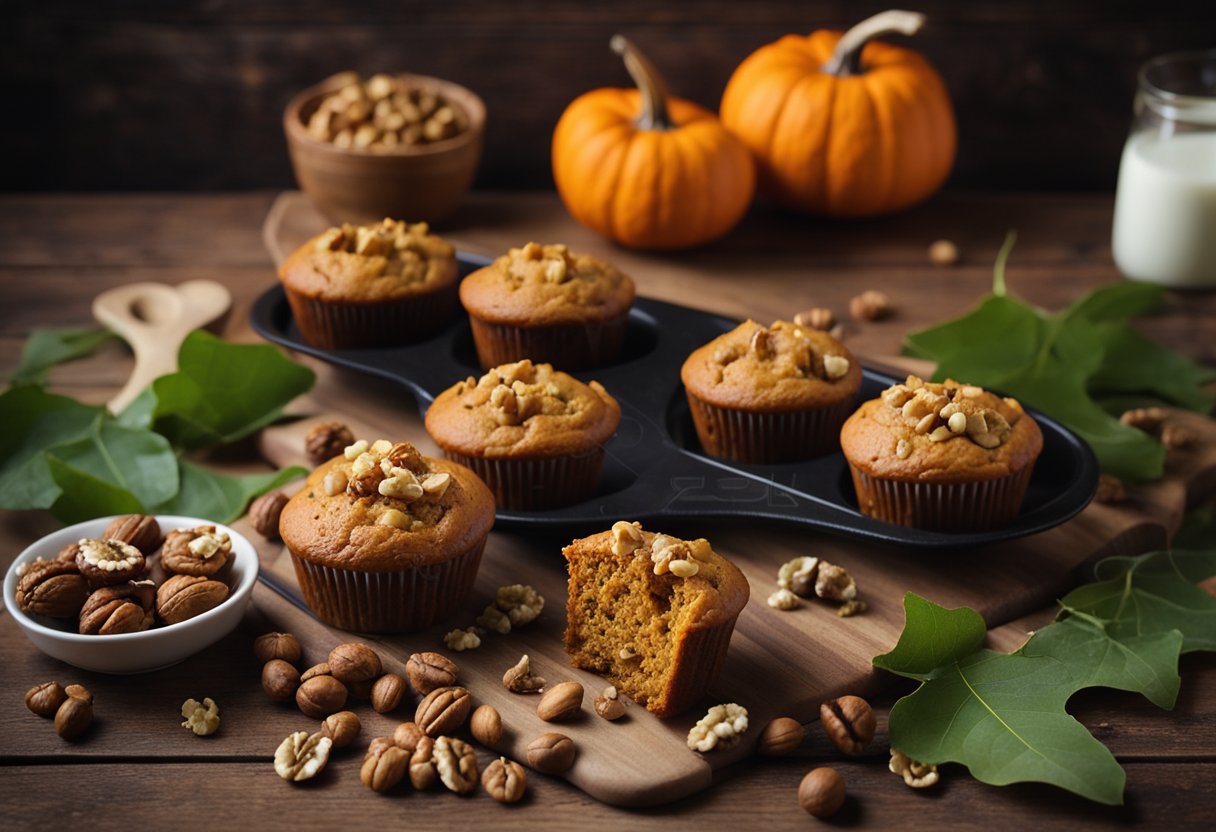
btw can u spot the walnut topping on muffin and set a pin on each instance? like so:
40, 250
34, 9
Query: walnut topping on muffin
514, 393
785, 350
948, 410
395, 471
390, 247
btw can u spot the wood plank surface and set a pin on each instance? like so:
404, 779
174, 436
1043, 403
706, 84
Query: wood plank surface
774, 265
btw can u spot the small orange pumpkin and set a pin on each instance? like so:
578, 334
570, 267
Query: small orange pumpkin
841, 126
649, 170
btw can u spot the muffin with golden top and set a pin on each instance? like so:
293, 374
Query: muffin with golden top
764, 395
652, 613
948, 457
385, 540
376, 285
534, 434
548, 304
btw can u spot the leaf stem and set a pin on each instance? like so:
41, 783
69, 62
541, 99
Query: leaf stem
998, 270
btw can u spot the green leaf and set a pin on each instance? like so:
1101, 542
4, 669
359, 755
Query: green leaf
139, 462
223, 392
33, 421
47, 347
222, 497
1118, 302
1198, 529
83, 496
995, 340
1134, 364
1003, 715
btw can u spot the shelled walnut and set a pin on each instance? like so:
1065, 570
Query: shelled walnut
385, 112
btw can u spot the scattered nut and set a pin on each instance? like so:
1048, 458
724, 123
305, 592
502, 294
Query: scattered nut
917, 775
384, 766
551, 753
520, 602
387, 693
301, 756
849, 723
780, 737
819, 317
342, 728
461, 640
1177, 436
265, 512
422, 765
943, 253
443, 711
783, 599
721, 727
321, 669
851, 608
798, 576
428, 671
138, 530
1147, 419
79, 692
45, 699
821, 792
562, 701
280, 680
1110, 489
456, 763
74, 717
608, 704
327, 440
870, 305
407, 736
283, 646
834, 583
203, 718
354, 662
505, 780
486, 726
519, 678
321, 696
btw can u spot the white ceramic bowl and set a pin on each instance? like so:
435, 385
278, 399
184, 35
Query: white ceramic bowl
152, 649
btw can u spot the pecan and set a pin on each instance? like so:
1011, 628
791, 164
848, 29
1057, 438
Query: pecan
407, 736
383, 767
551, 753
283, 646
199, 551
118, 609
422, 765
456, 762
387, 692
321, 696
486, 725
354, 662
54, 588
849, 723
781, 736
105, 562
74, 717
519, 678
265, 513
139, 530
280, 680
505, 780
821, 792
302, 756
342, 727
321, 669
560, 702
327, 440
428, 671
443, 711
45, 699
184, 596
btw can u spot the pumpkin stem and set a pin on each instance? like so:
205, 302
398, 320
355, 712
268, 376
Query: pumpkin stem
846, 58
654, 115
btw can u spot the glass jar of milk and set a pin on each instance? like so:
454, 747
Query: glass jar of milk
1165, 206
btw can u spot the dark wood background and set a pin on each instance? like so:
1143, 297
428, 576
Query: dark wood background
128, 95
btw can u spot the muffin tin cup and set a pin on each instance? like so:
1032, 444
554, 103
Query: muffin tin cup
943, 507
566, 347
400, 601
335, 325
537, 484
759, 438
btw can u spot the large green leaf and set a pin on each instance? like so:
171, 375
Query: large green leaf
83, 496
33, 421
223, 392
222, 497
139, 462
47, 347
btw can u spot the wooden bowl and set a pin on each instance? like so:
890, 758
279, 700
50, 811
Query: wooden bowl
405, 182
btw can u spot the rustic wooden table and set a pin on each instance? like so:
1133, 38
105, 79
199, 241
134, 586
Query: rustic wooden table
137, 769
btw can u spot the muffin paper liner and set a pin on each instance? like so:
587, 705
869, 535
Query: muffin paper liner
400, 601
760, 438
534, 484
332, 325
566, 347
699, 661
943, 507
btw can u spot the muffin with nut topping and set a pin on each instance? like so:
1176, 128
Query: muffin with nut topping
770, 394
386, 540
948, 457
534, 434
652, 613
377, 285
548, 304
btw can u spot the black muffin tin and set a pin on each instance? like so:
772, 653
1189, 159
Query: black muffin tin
655, 468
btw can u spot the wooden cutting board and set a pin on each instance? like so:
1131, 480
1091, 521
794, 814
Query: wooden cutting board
780, 663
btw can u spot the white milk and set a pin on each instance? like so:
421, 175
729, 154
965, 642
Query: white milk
1165, 209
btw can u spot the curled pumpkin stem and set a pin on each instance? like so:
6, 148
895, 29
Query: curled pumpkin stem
846, 58
650, 83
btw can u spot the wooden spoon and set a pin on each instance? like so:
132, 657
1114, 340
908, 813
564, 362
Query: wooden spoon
154, 318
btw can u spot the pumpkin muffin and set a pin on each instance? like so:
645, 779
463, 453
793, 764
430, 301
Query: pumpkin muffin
375, 285
546, 303
385, 540
764, 395
652, 613
948, 457
535, 435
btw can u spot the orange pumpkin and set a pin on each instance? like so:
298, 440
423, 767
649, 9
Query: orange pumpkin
648, 170
842, 126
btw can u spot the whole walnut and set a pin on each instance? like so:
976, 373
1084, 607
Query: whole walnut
354, 662
321, 696
327, 440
